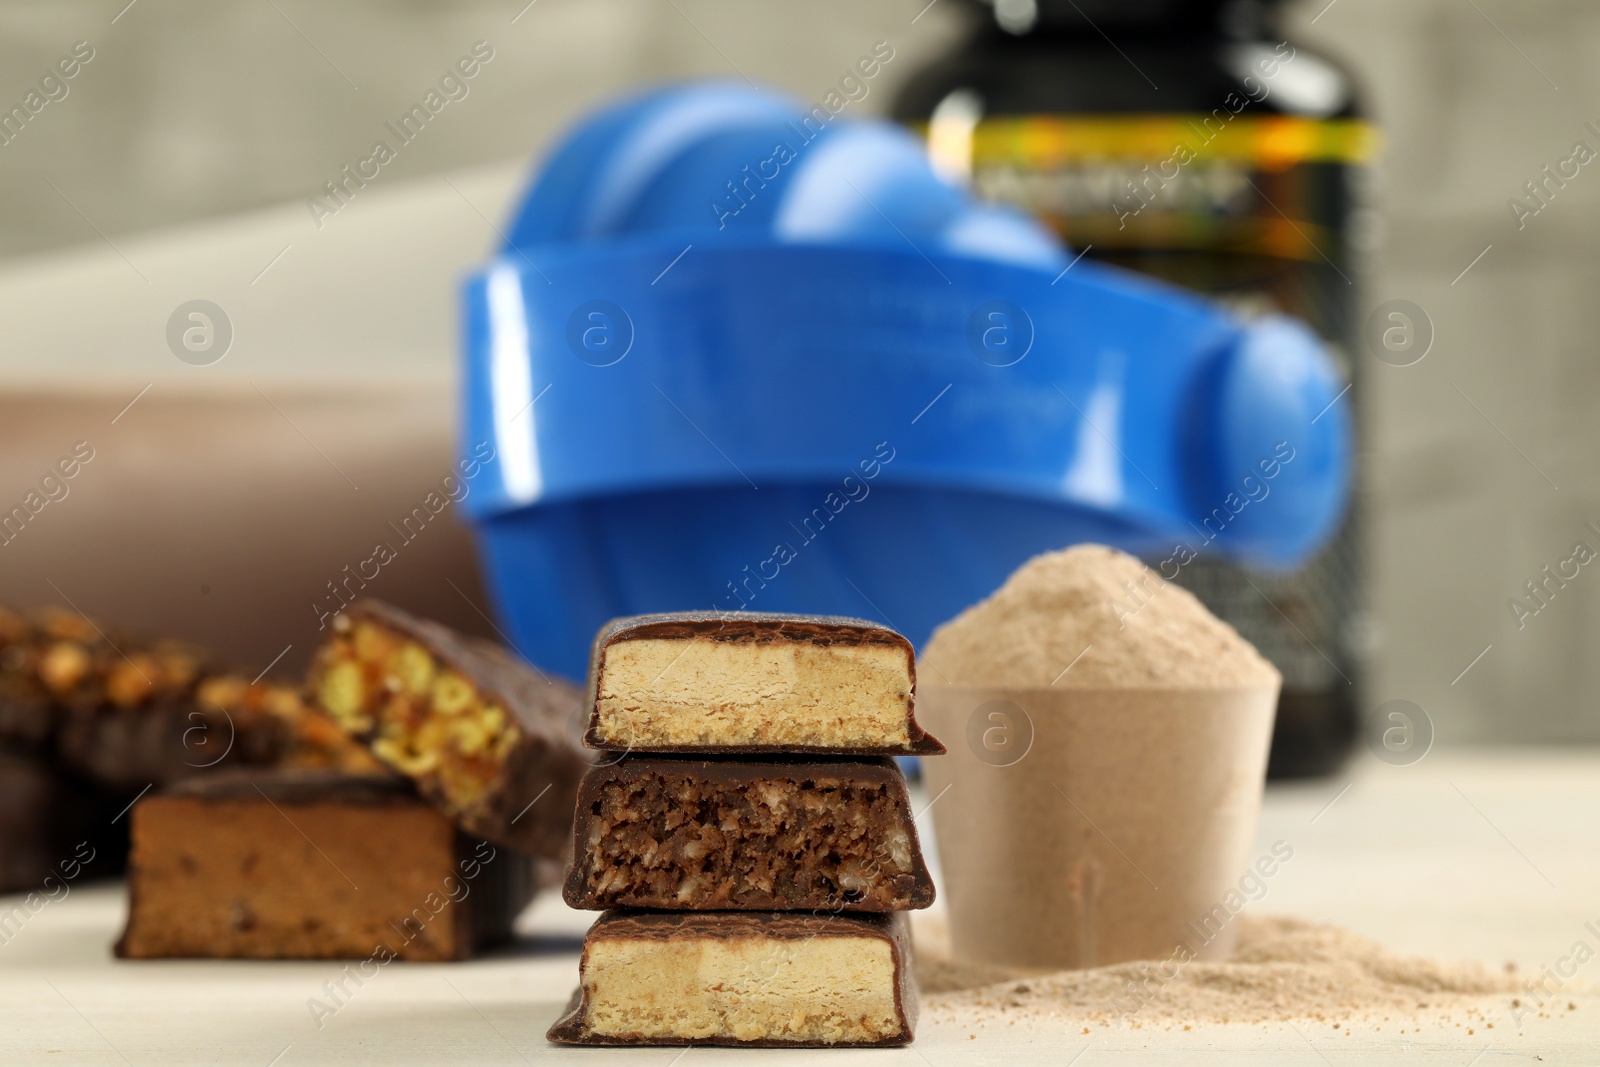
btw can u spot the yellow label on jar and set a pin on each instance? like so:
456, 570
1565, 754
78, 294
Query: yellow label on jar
1264, 142
1217, 181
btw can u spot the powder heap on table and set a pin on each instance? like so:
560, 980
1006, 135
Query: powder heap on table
1113, 619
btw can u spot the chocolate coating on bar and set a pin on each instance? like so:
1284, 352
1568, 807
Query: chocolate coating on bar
298, 786
29, 842
676, 832
135, 713
225, 721
54, 823
526, 801
161, 742
751, 626
56, 664
754, 629
26, 715
772, 928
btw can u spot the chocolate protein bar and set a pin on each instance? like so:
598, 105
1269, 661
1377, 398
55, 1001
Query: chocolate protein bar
222, 720
69, 657
742, 978
26, 716
30, 799
83, 669
675, 832
52, 660
748, 682
263, 864
276, 725
119, 713
54, 829
482, 734
125, 713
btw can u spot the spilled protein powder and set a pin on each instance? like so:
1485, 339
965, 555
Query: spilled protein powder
1283, 969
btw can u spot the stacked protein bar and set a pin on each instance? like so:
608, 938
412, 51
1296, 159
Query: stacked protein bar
751, 837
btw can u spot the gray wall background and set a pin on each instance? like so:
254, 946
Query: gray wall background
1480, 455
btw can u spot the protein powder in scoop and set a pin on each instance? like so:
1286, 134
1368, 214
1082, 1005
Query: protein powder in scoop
1091, 617
1106, 777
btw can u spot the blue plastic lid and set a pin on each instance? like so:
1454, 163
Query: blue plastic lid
709, 294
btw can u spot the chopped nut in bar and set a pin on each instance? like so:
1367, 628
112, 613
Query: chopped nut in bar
275, 725
482, 734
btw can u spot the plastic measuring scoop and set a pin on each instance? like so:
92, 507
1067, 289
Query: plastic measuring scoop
737, 355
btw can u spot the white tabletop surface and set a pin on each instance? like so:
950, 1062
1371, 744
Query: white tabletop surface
1488, 855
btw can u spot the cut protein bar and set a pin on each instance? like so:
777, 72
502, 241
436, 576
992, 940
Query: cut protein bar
223, 720
255, 864
679, 833
130, 713
278, 726
742, 978
55, 663
482, 734
749, 682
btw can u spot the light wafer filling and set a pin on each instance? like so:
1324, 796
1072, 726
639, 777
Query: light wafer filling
696, 691
833, 989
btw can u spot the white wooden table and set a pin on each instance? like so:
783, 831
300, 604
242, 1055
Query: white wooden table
1493, 855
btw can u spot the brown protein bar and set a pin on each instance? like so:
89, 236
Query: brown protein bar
482, 734
128, 713
222, 720
127, 749
55, 663
121, 712
277, 726
84, 674
763, 978
678, 833
30, 844
750, 682
260, 864
54, 829
26, 714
